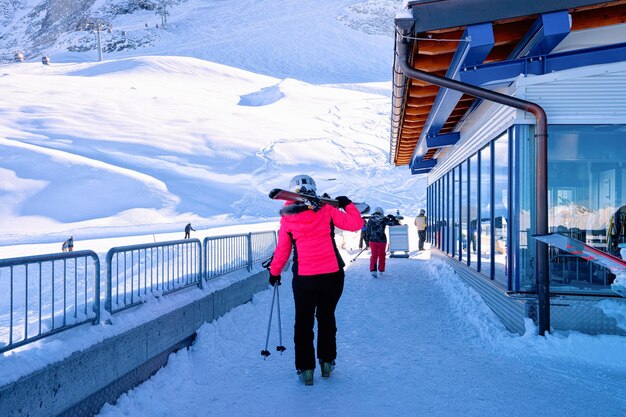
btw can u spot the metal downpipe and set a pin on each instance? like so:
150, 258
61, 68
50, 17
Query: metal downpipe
541, 149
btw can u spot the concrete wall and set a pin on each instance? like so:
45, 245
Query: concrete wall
83, 382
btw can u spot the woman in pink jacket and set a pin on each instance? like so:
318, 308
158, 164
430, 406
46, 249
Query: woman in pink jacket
317, 271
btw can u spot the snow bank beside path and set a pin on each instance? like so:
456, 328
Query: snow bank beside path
583, 349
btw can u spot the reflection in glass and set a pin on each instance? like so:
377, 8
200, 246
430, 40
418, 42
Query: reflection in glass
500, 205
586, 199
485, 210
526, 201
463, 212
473, 211
458, 244
450, 214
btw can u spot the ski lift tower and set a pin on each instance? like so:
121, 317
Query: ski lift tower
162, 11
96, 25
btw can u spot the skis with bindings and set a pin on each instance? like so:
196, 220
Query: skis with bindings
279, 194
616, 265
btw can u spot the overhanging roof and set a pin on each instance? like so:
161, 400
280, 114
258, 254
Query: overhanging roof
440, 14
436, 32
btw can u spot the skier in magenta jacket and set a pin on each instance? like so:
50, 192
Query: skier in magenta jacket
318, 274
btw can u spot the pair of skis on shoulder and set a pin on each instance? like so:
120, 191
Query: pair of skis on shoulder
279, 194
616, 265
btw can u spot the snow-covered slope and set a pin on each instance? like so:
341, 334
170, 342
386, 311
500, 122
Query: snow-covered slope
321, 41
143, 143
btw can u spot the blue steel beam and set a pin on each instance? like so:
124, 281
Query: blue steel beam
499, 72
422, 166
544, 35
477, 42
420, 171
441, 141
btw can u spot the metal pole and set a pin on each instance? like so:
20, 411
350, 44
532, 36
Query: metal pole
280, 347
266, 352
541, 147
99, 44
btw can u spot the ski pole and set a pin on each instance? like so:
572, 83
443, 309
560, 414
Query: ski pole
266, 352
357, 255
280, 347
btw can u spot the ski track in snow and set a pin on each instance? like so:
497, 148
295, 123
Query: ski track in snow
403, 350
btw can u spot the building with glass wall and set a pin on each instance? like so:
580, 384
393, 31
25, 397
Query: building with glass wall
480, 156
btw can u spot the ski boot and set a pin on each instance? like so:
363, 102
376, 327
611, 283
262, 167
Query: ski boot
306, 375
327, 368
374, 274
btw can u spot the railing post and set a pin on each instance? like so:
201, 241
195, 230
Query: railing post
249, 252
96, 299
109, 298
200, 269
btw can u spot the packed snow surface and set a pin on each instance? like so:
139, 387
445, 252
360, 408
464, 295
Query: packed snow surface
416, 342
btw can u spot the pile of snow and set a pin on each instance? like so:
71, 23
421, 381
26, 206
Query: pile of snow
148, 144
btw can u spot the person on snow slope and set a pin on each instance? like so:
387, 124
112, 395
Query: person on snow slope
375, 235
318, 274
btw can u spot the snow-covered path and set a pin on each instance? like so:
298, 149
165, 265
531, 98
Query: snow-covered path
416, 342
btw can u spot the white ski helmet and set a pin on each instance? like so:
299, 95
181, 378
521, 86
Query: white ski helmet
302, 182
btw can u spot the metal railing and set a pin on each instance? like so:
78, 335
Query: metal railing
46, 294
137, 272
224, 254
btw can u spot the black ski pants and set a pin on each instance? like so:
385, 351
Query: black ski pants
422, 238
316, 296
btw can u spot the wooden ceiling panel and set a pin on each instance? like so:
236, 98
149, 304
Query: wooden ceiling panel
608, 14
418, 111
429, 45
423, 91
433, 63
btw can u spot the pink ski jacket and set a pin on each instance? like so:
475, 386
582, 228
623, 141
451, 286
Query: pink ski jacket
309, 233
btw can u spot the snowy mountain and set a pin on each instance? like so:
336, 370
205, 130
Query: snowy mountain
338, 41
195, 122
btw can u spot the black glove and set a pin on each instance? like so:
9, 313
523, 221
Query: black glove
274, 279
343, 201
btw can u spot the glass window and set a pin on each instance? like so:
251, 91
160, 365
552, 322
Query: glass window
586, 199
473, 211
450, 215
444, 214
457, 212
463, 212
439, 237
433, 215
526, 202
485, 210
429, 200
501, 208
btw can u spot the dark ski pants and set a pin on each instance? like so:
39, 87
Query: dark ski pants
316, 296
362, 239
422, 238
